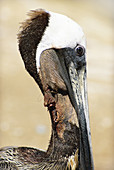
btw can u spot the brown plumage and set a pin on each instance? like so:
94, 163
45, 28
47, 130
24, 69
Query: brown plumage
64, 141
53, 78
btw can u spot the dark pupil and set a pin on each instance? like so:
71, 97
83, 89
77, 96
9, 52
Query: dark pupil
80, 51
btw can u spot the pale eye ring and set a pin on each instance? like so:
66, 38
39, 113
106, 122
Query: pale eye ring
80, 50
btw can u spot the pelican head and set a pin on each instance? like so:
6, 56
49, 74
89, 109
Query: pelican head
53, 48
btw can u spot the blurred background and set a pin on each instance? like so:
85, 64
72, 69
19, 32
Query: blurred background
23, 119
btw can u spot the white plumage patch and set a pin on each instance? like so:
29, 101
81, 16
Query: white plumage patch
73, 161
61, 32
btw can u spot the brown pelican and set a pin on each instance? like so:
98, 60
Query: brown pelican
53, 49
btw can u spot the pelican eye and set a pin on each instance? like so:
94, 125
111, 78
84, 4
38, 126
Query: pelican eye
80, 50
